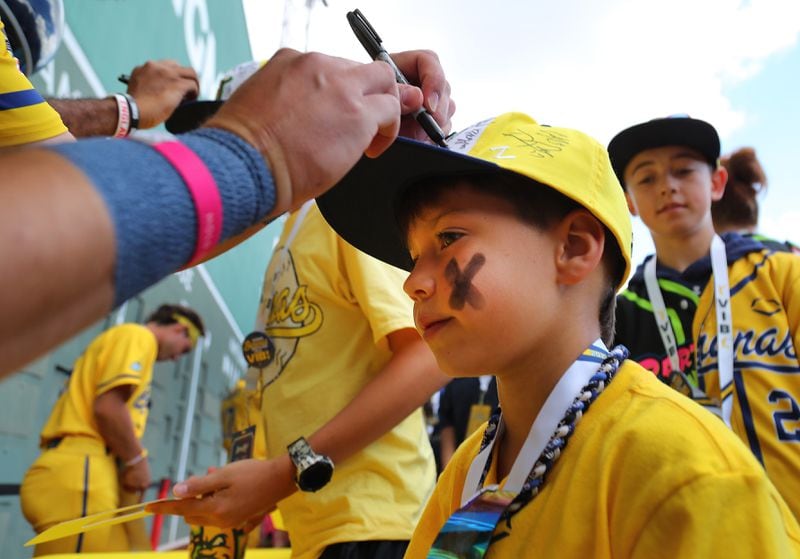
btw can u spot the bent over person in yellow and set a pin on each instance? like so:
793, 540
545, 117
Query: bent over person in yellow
91, 447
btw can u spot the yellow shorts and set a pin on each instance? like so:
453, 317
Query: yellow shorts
76, 478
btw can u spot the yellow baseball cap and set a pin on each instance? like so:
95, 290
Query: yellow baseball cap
361, 207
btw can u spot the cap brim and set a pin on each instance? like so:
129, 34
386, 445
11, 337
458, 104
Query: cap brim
361, 207
191, 115
690, 132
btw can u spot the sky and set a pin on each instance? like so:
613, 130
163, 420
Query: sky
595, 66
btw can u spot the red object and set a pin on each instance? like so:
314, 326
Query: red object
158, 519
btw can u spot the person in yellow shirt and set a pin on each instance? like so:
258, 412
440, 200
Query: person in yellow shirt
517, 239
91, 447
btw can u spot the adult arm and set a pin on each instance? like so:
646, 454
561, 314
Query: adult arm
419, 66
157, 87
63, 214
244, 489
116, 427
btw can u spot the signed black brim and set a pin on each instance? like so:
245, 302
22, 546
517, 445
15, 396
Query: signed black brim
191, 115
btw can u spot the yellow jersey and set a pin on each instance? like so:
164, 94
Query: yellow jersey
121, 355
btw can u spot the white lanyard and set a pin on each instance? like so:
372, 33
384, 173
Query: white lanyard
660, 312
484, 381
301, 215
570, 384
719, 269
722, 300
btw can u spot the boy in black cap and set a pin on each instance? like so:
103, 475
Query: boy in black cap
717, 317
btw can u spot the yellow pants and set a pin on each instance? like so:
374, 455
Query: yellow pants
76, 478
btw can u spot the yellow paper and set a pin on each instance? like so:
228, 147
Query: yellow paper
86, 523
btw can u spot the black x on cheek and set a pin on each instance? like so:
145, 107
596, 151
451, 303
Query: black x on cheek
461, 282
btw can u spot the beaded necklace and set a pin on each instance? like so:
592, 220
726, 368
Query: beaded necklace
468, 531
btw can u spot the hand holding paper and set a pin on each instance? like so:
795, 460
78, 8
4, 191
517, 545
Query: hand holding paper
233, 494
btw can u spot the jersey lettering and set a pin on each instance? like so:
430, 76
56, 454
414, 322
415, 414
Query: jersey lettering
769, 343
787, 421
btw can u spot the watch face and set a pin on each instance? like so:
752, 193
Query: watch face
316, 476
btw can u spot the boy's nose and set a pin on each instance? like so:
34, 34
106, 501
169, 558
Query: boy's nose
669, 184
419, 284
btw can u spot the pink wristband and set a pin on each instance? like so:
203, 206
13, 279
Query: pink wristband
203, 188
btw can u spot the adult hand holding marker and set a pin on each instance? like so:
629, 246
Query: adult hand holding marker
371, 42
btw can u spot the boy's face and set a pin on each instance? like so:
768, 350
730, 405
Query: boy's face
480, 274
671, 188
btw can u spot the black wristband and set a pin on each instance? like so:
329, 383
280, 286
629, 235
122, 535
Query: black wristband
133, 111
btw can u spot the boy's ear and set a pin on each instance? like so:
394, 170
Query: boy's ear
582, 240
719, 178
631, 204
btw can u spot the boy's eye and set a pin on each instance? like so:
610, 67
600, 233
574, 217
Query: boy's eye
446, 238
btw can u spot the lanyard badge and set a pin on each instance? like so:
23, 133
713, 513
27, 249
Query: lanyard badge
468, 532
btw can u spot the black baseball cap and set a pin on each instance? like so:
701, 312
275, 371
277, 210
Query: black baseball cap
191, 114
679, 130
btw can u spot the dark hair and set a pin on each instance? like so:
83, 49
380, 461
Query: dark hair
165, 314
738, 207
541, 207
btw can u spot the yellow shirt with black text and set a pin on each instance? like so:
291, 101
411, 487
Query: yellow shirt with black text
328, 308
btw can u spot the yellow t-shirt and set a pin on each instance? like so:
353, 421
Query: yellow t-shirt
765, 306
647, 473
239, 410
25, 116
121, 355
328, 309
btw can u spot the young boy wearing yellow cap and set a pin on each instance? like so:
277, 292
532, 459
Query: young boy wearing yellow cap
716, 316
517, 239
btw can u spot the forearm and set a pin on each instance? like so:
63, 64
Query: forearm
115, 426
411, 372
87, 117
406, 382
58, 250
105, 219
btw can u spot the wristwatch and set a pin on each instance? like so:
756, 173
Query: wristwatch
314, 470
